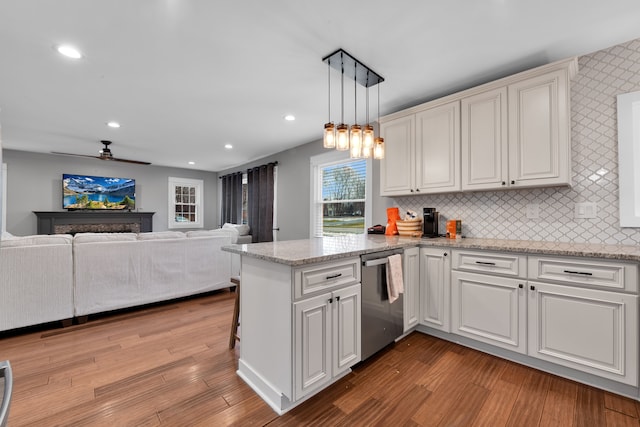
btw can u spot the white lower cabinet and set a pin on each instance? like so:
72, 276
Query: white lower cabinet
326, 337
587, 321
435, 288
590, 330
411, 276
490, 309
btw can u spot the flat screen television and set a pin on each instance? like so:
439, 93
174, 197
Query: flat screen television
97, 192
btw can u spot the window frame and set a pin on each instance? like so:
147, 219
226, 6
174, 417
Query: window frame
329, 159
198, 184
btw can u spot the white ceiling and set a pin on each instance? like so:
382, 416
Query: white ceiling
185, 77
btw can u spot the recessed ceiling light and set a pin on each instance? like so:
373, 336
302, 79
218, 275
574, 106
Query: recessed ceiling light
228, 146
69, 51
113, 124
289, 117
192, 163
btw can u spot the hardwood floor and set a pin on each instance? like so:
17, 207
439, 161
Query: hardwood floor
170, 365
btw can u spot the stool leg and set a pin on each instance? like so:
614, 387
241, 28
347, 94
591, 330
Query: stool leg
233, 336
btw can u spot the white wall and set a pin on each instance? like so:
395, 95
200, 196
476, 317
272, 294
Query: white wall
293, 208
34, 183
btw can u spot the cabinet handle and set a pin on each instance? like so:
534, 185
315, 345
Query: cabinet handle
412, 190
338, 298
504, 183
334, 276
533, 288
512, 182
330, 300
521, 286
444, 254
485, 263
417, 190
584, 273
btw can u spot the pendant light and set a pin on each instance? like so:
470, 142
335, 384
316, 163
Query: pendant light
355, 136
329, 139
367, 134
359, 140
378, 143
342, 131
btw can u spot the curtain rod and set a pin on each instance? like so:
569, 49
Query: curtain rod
270, 163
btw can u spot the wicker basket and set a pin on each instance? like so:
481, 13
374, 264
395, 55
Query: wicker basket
412, 227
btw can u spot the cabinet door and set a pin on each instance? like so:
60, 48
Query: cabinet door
437, 155
411, 276
539, 131
312, 339
489, 308
485, 157
435, 288
589, 330
397, 167
346, 328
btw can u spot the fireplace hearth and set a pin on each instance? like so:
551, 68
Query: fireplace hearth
72, 222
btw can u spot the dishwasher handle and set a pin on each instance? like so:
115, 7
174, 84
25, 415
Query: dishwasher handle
374, 262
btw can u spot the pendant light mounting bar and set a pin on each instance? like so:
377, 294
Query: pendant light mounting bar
347, 64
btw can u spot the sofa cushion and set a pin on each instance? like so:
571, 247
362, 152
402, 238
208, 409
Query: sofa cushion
104, 237
242, 229
38, 239
202, 233
154, 235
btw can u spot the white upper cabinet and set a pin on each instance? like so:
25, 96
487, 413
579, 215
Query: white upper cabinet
397, 167
422, 152
540, 131
511, 133
485, 158
438, 149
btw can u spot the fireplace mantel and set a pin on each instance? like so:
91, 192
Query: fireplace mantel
79, 221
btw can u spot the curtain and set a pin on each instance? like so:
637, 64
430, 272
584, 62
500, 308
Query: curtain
260, 201
231, 198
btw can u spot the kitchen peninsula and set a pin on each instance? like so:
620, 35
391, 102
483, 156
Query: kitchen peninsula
566, 308
300, 313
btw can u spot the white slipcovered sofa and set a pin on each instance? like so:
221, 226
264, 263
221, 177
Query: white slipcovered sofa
47, 278
120, 270
36, 280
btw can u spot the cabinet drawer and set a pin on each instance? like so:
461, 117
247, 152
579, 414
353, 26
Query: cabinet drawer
319, 277
490, 262
580, 271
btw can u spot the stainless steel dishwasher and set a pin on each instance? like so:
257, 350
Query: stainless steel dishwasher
382, 322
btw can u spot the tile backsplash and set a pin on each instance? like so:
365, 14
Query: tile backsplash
502, 214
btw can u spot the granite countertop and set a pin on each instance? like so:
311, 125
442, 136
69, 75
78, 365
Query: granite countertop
309, 251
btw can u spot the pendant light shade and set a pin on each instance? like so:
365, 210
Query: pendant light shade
359, 140
356, 141
342, 137
329, 138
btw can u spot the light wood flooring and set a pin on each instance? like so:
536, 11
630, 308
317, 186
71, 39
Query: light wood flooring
169, 365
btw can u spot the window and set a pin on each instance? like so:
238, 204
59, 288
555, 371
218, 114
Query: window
185, 203
341, 191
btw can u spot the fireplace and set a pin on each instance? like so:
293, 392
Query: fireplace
72, 222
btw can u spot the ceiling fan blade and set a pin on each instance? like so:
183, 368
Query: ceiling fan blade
137, 162
76, 155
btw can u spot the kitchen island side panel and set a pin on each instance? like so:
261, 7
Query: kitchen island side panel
266, 324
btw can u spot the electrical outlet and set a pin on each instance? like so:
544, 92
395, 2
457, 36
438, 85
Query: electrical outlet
586, 210
533, 211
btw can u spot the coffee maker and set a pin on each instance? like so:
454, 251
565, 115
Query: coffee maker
430, 222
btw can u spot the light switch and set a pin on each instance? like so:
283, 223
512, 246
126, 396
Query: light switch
586, 210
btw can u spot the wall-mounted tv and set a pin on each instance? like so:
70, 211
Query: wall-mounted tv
97, 192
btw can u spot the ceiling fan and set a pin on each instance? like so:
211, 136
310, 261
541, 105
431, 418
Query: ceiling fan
105, 154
